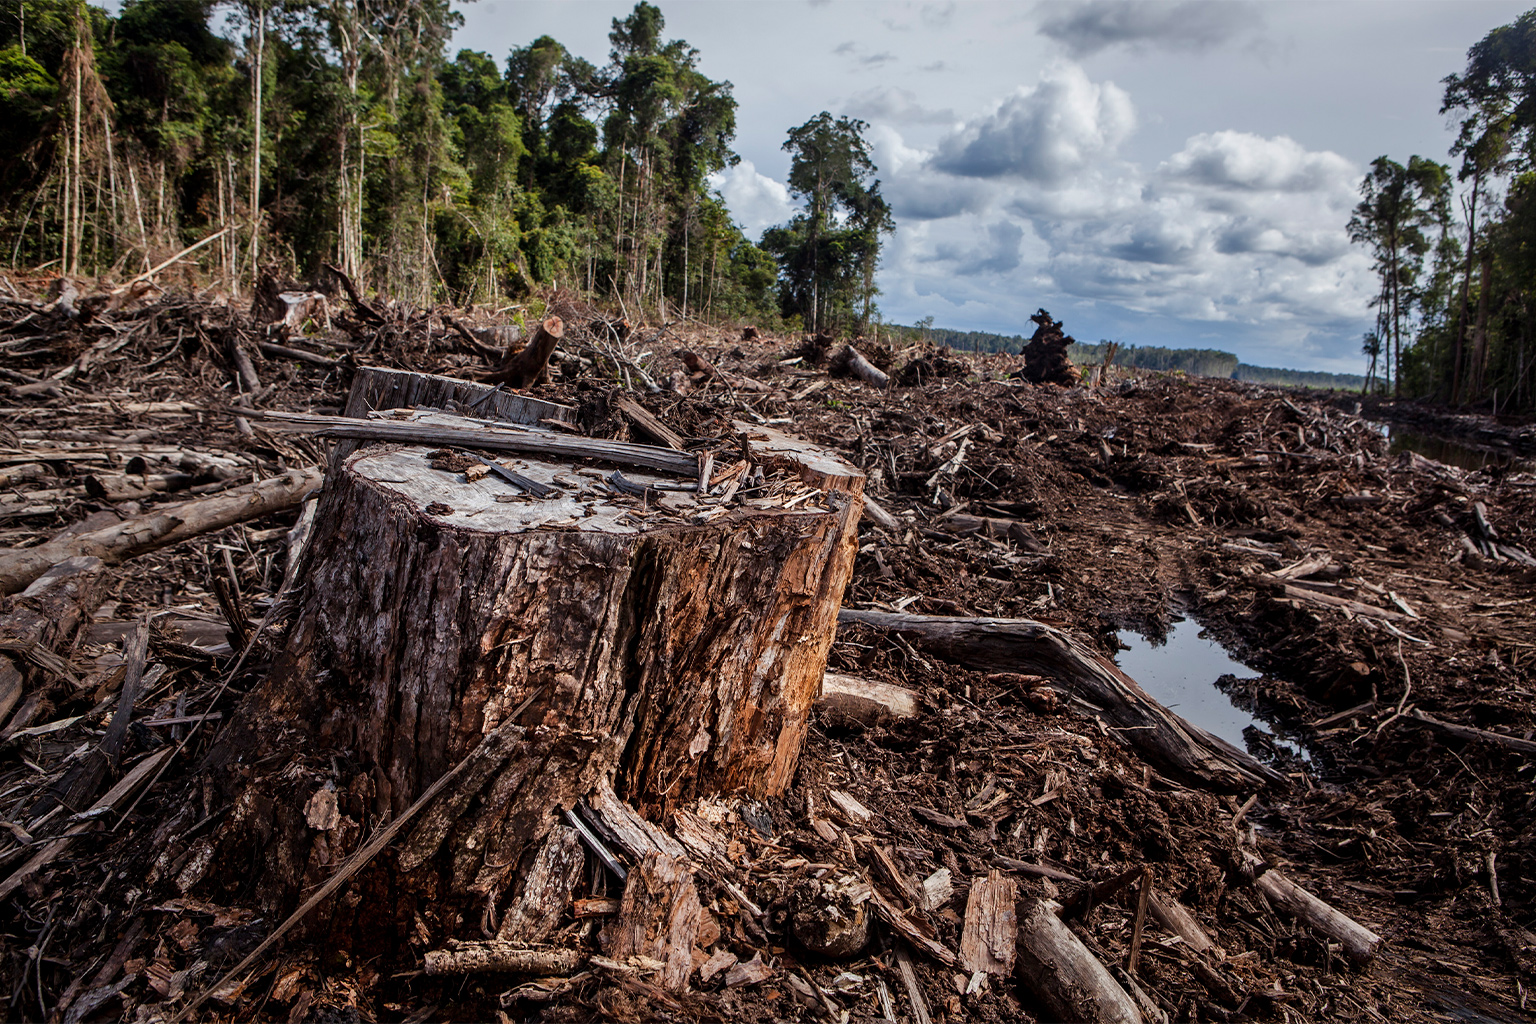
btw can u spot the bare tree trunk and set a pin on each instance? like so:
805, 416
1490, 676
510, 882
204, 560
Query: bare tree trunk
1466, 288
258, 67
1480, 332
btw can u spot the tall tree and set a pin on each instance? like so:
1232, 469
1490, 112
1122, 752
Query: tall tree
1397, 206
828, 253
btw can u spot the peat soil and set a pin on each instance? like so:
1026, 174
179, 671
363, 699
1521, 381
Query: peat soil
1368, 589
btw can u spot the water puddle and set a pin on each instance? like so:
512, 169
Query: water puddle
1181, 675
1448, 451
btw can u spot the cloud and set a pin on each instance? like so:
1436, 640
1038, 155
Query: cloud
756, 201
1240, 160
1044, 133
895, 105
914, 188
1236, 240
996, 252
867, 60
931, 16
1192, 25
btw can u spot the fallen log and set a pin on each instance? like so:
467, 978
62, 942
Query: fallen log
865, 701
648, 423
996, 529
1359, 942
376, 389
851, 361
1467, 732
158, 528
1024, 645
472, 435
496, 957
1068, 979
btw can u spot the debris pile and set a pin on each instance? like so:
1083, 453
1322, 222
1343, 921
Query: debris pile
959, 826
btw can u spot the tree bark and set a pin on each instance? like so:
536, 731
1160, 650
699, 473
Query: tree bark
674, 650
1055, 965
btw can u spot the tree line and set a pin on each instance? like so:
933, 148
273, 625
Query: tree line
1457, 266
300, 133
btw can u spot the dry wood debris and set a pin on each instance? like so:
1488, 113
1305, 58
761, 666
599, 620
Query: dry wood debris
954, 830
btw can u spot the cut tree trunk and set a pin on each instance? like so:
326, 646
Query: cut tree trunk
1023, 645
672, 646
1054, 964
529, 365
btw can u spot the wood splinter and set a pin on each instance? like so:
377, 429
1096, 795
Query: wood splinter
496, 957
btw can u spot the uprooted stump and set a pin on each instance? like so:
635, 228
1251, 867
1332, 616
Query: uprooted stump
608, 632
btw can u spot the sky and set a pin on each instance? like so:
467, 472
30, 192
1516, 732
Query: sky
1154, 173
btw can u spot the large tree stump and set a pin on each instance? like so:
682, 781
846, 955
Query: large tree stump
669, 643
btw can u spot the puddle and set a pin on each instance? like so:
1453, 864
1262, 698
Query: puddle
1448, 451
1181, 675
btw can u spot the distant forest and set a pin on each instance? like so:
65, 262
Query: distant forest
299, 133
1201, 362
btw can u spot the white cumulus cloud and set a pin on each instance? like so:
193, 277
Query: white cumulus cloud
757, 201
1242, 160
1045, 133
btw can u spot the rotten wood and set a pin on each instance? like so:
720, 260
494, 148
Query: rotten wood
658, 919
545, 890
989, 934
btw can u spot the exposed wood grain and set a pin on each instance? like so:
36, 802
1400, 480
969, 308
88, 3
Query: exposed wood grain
658, 919
1068, 979
988, 938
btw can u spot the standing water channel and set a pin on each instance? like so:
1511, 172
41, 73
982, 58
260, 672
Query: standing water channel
1181, 675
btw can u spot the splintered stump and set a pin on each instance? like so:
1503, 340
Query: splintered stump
668, 644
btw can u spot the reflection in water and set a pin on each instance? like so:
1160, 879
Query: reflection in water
1448, 451
1181, 675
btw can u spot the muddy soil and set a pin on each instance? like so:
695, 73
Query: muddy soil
1139, 501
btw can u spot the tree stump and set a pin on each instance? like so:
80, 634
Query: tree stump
668, 642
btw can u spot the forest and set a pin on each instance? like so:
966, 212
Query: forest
301, 133
1452, 245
